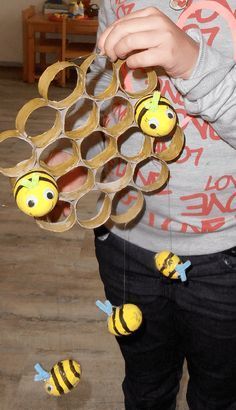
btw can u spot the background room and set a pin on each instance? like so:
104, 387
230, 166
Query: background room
49, 281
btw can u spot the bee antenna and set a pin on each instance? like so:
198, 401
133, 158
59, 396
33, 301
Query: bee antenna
42, 374
30, 183
105, 307
181, 270
152, 104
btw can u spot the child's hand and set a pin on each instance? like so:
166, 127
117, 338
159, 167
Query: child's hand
74, 179
149, 38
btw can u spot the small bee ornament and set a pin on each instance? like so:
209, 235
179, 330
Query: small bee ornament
64, 376
155, 116
36, 193
171, 266
123, 320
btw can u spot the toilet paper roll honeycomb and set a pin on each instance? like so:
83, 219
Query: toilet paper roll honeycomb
110, 191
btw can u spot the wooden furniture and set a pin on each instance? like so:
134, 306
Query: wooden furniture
72, 50
42, 45
40, 23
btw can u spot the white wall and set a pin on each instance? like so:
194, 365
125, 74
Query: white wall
10, 28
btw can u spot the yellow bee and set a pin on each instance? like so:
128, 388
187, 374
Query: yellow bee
63, 377
155, 116
122, 320
36, 193
171, 266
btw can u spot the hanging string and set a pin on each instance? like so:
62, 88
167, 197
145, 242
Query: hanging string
124, 262
154, 162
169, 214
60, 331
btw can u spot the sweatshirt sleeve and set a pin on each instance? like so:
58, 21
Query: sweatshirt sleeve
210, 92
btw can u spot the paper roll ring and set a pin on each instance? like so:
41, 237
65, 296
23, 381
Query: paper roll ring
90, 126
175, 147
131, 213
48, 76
83, 189
64, 167
159, 183
118, 184
123, 124
60, 226
46, 137
111, 90
101, 217
152, 81
104, 156
145, 150
22, 166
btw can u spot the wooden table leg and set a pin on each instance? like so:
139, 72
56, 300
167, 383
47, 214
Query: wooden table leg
25, 53
42, 56
31, 54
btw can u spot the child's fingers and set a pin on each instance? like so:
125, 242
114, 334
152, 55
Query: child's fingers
148, 11
144, 13
128, 28
147, 58
143, 40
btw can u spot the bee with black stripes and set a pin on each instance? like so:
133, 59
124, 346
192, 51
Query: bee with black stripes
122, 320
155, 115
36, 193
64, 376
171, 266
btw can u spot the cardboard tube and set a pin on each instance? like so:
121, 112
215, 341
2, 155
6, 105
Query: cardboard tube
175, 148
22, 166
66, 166
102, 216
123, 124
104, 156
152, 81
112, 88
145, 151
131, 213
78, 193
46, 137
159, 183
48, 76
90, 126
119, 184
60, 226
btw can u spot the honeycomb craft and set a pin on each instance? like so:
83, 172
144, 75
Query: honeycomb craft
110, 191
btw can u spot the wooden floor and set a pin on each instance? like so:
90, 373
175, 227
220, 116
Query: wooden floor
48, 286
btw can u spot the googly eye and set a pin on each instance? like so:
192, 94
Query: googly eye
31, 201
48, 194
170, 114
49, 388
153, 123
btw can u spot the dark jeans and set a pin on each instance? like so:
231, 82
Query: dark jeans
195, 321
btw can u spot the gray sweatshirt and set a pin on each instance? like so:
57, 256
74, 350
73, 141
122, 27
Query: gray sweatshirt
195, 213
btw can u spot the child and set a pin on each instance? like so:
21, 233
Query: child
194, 216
